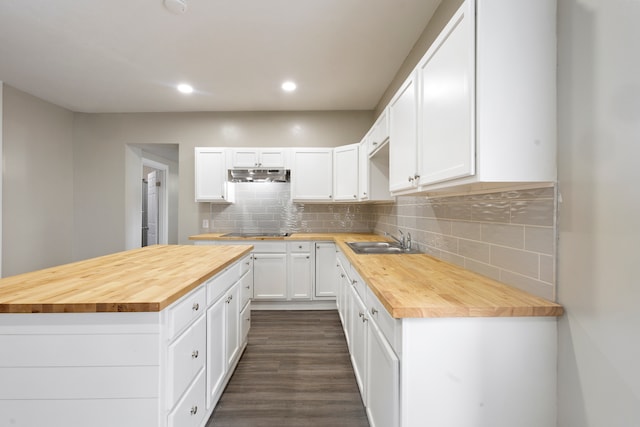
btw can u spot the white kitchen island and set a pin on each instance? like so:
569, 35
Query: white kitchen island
140, 338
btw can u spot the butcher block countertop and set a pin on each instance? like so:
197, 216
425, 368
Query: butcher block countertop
140, 280
421, 286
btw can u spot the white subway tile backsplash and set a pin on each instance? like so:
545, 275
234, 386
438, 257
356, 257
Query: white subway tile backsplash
522, 262
539, 239
508, 236
503, 234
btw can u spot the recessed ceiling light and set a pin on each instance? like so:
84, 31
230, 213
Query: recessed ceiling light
185, 88
289, 86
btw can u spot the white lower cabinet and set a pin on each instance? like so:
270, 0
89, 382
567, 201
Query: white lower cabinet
190, 411
301, 269
383, 380
227, 330
325, 278
270, 276
232, 300
216, 351
448, 372
358, 322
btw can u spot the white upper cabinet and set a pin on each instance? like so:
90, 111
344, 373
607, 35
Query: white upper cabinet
345, 173
481, 104
312, 174
211, 175
260, 157
379, 133
403, 137
446, 75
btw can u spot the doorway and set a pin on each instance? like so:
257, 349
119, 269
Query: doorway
140, 160
154, 228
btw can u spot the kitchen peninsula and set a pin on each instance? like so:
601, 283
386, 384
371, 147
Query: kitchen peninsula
147, 337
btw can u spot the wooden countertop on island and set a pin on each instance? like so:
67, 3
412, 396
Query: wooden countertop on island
421, 286
140, 280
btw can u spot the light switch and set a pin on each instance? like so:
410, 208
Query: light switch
205, 223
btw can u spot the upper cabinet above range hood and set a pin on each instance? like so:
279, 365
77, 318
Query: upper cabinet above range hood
259, 175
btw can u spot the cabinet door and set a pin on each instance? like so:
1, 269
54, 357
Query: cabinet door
383, 380
447, 93
359, 341
312, 174
325, 269
345, 172
363, 171
216, 350
403, 137
245, 323
232, 302
210, 179
301, 275
245, 158
273, 158
379, 132
269, 276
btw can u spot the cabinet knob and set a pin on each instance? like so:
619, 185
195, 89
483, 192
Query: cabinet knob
222, 197
353, 282
374, 311
410, 179
416, 177
194, 410
299, 246
195, 354
195, 306
355, 197
248, 287
375, 143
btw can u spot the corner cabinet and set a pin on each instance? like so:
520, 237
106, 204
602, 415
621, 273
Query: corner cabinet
312, 175
211, 175
478, 112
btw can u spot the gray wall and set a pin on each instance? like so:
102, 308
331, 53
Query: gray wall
100, 141
37, 198
599, 222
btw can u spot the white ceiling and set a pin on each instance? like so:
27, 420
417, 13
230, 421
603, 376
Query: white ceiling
128, 55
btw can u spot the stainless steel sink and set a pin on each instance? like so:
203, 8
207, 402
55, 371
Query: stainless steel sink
379, 248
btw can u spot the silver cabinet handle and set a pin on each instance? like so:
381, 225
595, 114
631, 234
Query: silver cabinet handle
194, 410
374, 311
195, 306
410, 179
360, 314
194, 355
247, 287
416, 177
375, 143
353, 282
355, 197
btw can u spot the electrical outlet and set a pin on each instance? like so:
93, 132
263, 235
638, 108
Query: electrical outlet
205, 223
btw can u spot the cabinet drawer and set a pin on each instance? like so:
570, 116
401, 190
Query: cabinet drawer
186, 311
221, 282
390, 327
190, 411
186, 358
300, 246
245, 264
246, 288
357, 282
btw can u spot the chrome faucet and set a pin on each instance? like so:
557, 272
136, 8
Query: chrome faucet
402, 241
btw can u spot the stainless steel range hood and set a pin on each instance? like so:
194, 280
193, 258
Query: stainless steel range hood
258, 175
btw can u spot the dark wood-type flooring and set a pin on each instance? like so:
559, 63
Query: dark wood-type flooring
295, 372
